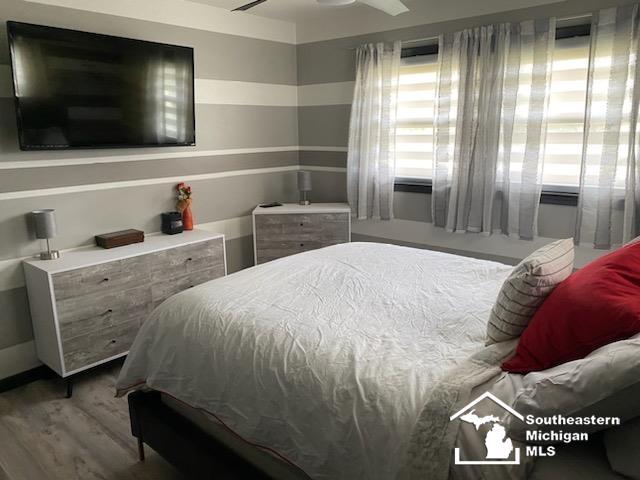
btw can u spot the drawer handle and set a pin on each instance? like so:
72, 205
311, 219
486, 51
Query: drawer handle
189, 259
302, 244
105, 279
113, 341
109, 310
191, 286
302, 224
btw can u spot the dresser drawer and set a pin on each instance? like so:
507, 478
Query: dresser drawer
162, 290
183, 260
105, 277
84, 350
314, 226
88, 313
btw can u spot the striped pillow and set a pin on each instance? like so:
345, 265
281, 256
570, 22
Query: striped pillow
526, 288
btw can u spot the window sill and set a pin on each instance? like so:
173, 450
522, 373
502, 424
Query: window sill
551, 195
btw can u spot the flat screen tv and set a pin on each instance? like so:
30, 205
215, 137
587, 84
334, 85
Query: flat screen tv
84, 90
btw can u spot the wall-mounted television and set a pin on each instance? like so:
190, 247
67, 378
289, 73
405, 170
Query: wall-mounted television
83, 90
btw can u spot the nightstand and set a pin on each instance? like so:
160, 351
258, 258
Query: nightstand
292, 228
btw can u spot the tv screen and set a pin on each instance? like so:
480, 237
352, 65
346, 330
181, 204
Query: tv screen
83, 90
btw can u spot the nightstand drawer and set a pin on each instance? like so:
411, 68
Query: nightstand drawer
162, 290
310, 226
183, 260
83, 315
105, 277
84, 350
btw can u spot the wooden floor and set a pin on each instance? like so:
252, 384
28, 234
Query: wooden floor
46, 436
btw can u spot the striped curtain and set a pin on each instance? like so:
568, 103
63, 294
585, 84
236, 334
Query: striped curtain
371, 160
490, 127
610, 175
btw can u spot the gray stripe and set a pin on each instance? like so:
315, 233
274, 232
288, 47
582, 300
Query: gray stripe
355, 237
328, 187
217, 127
239, 253
323, 159
333, 60
49, 177
217, 55
82, 215
15, 326
326, 125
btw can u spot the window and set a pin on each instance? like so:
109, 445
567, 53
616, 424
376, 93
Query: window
416, 103
563, 149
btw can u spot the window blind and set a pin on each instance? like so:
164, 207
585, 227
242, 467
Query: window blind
563, 148
416, 103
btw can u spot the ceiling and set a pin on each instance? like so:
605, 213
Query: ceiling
316, 22
295, 11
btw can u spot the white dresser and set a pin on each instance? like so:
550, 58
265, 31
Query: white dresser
88, 305
292, 228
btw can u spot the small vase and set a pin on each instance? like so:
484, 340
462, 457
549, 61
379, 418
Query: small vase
187, 219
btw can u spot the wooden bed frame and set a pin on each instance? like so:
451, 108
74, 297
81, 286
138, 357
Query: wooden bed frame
182, 443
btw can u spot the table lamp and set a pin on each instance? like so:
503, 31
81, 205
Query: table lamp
304, 186
45, 223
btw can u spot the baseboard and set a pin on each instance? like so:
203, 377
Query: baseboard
23, 378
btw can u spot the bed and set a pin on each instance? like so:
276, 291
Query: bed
339, 363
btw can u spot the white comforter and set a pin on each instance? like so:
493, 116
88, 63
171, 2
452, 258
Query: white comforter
325, 357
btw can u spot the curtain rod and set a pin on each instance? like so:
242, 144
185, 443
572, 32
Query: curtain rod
435, 37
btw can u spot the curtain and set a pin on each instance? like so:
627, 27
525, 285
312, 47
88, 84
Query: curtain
372, 128
609, 196
490, 127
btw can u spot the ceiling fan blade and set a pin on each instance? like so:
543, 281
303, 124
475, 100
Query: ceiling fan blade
248, 6
392, 7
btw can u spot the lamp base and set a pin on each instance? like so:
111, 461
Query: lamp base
304, 202
52, 255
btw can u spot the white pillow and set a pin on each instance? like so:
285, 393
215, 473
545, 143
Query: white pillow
623, 448
604, 383
530, 282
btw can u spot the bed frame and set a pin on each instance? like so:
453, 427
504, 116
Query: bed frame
182, 443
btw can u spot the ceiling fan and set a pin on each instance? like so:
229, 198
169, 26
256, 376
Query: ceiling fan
392, 7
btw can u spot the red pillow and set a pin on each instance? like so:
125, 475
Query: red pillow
596, 305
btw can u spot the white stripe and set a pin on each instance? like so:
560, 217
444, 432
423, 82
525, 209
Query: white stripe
18, 358
310, 148
11, 273
232, 92
228, 92
322, 169
45, 192
187, 14
63, 162
231, 227
338, 93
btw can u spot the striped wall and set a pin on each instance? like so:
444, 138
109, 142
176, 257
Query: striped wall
247, 149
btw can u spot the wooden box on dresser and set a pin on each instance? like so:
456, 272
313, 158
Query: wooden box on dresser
292, 228
88, 305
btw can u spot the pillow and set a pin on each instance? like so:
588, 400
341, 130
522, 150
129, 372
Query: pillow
528, 285
623, 444
606, 383
597, 305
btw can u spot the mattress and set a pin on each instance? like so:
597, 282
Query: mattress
326, 357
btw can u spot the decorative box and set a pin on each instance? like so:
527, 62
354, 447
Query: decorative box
119, 239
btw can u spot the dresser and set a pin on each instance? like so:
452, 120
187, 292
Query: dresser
88, 305
292, 228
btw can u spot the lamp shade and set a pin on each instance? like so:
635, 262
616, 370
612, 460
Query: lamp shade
45, 223
304, 181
